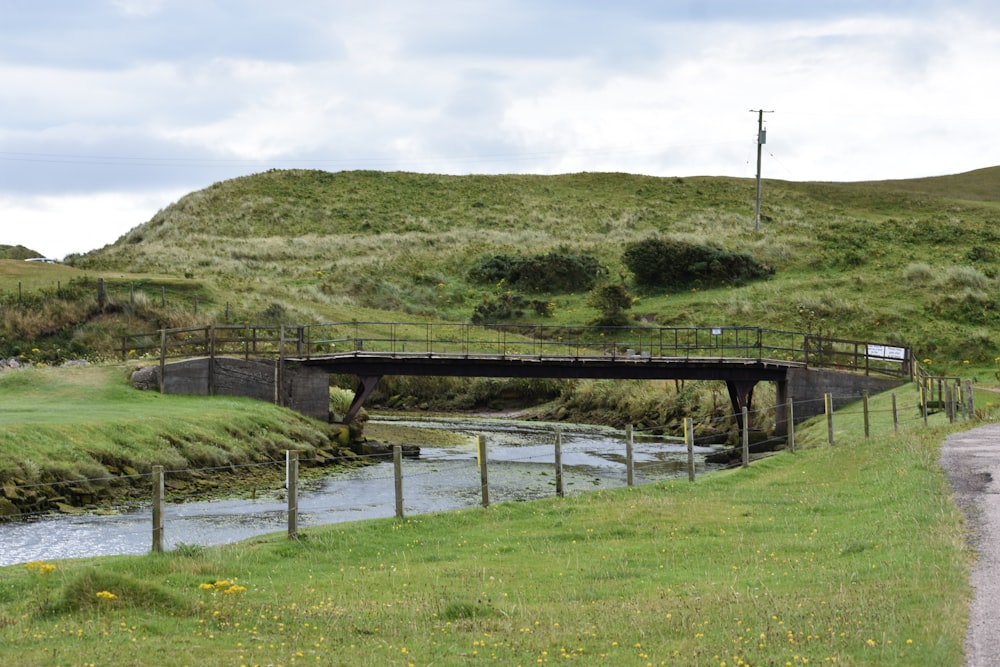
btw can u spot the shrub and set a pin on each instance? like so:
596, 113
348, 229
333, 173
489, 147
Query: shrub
966, 277
663, 262
551, 272
612, 299
918, 273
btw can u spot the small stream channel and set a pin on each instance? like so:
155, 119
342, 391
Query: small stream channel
520, 456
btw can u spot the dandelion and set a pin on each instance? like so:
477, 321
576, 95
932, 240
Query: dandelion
40, 567
106, 595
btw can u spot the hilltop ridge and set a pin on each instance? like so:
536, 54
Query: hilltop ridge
908, 261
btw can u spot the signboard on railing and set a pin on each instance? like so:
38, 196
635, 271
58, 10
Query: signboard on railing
886, 352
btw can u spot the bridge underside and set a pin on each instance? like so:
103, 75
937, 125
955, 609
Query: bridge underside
740, 375
303, 383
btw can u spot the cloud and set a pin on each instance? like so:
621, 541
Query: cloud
58, 225
125, 97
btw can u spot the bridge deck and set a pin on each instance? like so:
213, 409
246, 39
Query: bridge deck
640, 367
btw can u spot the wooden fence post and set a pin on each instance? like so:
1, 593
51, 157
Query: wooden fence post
629, 456
949, 398
163, 359
210, 335
157, 509
689, 441
397, 466
923, 403
828, 407
790, 415
970, 405
292, 472
746, 437
558, 463
895, 414
864, 400
484, 481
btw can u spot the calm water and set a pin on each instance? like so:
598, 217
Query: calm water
520, 456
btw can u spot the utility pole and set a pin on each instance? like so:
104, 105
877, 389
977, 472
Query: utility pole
761, 140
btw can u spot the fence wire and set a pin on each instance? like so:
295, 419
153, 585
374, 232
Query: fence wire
367, 491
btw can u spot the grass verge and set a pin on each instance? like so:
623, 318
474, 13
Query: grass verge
79, 434
852, 554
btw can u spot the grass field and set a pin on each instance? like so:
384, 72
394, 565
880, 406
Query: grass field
852, 555
88, 423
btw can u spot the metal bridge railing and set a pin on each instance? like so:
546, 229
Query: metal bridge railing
511, 340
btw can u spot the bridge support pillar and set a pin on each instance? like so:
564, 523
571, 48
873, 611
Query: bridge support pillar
741, 395
366, 384
781, 424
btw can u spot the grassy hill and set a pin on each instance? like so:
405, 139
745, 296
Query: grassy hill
911, 262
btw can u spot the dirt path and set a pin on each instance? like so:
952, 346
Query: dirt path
972, 462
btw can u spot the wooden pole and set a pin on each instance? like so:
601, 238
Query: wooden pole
970, 404
397, 466
828, 407
923, 403
484, 481
895, 414
864, 397
163, 359
791, 426
746, 437
629, 458
279, 382
210, 335
689, 441
558, 463
158, 509
292, 470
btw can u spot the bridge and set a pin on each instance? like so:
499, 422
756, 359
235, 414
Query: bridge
291, 365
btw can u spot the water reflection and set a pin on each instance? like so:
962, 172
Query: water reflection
520, 454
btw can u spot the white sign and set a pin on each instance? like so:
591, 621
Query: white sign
886, 352
716, 331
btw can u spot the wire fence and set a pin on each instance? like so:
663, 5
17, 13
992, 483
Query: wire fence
395, 485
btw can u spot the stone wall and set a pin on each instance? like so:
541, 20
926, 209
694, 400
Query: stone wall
306, 389
806, 388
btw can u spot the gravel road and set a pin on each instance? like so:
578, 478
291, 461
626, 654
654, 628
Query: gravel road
971, 461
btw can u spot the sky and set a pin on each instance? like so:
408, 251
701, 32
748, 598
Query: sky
111, 110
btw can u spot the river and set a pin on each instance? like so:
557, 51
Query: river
520, 456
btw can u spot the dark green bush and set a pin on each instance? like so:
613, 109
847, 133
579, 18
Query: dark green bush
551, 272
507, 305
663, 262
612, 299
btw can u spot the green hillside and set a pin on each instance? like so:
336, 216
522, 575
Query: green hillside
911, 262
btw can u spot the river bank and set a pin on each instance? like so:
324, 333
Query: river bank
442, 474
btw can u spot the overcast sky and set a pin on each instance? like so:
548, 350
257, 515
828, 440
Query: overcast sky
112, 109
